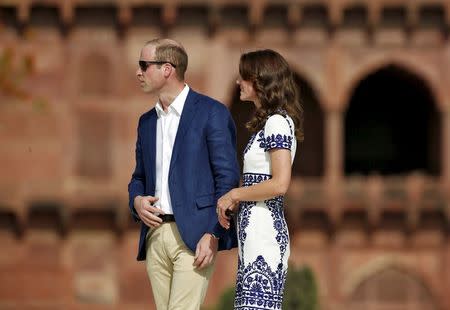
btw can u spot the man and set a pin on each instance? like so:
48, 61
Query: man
185, 161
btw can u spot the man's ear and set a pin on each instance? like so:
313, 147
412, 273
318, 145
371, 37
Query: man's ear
167, 70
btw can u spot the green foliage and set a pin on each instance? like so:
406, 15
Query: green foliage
301, 290
226, 301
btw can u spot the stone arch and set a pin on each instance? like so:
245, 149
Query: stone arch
387, 281
420, 69
311, 76
95, 75
395, 110
309, 160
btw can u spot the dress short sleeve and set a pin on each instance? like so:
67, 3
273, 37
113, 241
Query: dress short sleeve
278, 133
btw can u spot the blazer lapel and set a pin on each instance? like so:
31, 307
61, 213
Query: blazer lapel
150, 129
185, 121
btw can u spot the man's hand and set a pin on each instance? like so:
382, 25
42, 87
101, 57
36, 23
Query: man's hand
205, 251
146, 211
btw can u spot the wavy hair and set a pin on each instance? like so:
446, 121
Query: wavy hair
275, 88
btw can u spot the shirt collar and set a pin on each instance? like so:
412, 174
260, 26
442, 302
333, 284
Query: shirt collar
177, 104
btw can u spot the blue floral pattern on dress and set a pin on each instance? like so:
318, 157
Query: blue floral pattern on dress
275, 206
262, 271
249, 144
278, 142
249, 179
261, 140
245, 210
245, 207
252, 139
258, 287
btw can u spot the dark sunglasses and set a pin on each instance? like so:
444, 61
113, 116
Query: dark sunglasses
144, 64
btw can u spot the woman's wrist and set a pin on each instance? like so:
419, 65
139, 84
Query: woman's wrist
234, 195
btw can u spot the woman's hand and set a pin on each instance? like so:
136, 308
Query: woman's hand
226, 202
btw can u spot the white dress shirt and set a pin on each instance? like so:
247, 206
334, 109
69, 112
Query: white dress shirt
166, 131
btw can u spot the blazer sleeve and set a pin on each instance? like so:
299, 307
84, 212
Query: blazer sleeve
136, 186
221, 141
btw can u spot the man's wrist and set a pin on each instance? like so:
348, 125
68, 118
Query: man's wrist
213, 235
136, 200
134, 211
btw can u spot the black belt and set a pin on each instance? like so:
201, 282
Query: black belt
166, 218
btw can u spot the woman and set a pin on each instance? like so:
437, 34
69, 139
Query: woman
266, 80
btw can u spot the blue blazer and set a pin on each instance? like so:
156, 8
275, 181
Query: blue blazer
203, 168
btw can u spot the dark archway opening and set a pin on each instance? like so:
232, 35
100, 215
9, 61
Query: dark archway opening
242, 113
309, 160
309, 156
392, 126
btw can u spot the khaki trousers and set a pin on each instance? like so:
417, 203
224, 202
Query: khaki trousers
176, 283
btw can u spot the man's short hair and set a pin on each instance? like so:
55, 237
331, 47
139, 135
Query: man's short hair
171, 51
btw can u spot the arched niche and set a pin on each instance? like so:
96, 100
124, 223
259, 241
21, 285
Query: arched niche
392, 125
391, 288
95, 144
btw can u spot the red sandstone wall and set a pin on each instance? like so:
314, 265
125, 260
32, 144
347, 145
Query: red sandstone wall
66, 238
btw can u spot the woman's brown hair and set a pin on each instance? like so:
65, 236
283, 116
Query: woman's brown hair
275, 88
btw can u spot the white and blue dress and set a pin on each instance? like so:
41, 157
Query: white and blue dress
261, 227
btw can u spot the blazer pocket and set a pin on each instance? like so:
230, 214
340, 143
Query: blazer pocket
205, 201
